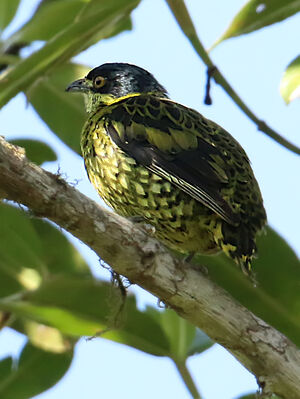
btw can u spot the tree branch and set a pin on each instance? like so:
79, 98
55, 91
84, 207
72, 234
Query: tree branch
259, 347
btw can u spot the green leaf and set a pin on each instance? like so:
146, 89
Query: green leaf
64, 45
37, 151
111, 30
8, 8
276, 298
184, 339
78, 306
257, 14
50, 18
20, 252
5, 368
68, 116
8, 59
9, 281
200, 343
31, 249
290, 82
140, 331
58, 254
47, 21
42, 336
181, 334
37, 370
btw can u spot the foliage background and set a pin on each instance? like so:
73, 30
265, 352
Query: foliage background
254, 65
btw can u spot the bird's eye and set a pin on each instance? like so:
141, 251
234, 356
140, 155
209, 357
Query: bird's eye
99, 81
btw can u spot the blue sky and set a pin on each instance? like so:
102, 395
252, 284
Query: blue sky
254, 65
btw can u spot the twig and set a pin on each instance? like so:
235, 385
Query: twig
188, 380
184, 20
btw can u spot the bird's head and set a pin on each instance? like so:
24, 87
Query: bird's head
108, 82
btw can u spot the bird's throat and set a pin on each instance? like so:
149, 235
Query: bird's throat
95, 101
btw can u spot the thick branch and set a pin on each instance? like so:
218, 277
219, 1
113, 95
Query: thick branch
263, 350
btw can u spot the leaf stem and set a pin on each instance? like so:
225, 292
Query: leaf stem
183, 18
187, 378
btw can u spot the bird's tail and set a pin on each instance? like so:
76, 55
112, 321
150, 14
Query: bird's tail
237, 243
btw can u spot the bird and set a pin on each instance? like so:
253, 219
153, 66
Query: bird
160, 162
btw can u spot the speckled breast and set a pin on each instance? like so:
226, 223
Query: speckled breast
132, 190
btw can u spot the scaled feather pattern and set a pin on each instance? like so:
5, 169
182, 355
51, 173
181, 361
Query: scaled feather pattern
153, 158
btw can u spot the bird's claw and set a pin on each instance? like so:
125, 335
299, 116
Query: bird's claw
147, 227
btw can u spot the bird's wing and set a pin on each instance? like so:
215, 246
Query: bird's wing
176, 143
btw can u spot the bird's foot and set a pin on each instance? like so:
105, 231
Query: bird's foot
147, 227
189, 257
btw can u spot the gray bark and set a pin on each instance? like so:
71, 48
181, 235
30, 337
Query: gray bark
269, 355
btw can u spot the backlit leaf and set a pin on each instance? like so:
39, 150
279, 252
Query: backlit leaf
84, 306
257, 14
64, 45
50, 18
8, 8
290, 82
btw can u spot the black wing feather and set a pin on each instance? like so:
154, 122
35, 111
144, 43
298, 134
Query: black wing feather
190, 170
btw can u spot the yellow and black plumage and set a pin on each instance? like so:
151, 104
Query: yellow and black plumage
150, 157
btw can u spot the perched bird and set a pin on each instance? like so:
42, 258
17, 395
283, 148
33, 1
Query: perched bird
152, 158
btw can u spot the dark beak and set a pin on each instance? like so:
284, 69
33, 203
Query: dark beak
79, 85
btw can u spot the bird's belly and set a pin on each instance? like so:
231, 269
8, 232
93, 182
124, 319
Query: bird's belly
131, 190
